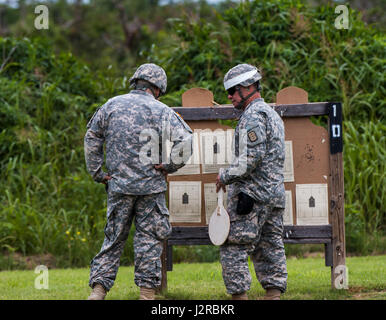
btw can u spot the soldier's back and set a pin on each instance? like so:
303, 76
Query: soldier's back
131, 120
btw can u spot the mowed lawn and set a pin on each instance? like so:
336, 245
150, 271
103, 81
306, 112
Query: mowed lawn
308, 278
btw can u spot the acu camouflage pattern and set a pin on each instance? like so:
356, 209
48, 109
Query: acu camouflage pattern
136, 190
151, 73
151, 220
119, 124
260, 233
263, 179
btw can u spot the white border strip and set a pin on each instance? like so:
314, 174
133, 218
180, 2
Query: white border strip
240, 78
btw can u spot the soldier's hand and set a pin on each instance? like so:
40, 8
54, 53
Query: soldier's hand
219, 185
161, 168
105, 179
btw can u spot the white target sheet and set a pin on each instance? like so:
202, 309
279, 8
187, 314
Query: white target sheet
288, 163
193, 165
185, 201
288, 216
216, 149
311, 204
210, 198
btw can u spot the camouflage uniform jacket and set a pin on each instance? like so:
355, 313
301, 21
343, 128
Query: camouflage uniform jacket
262, 162
134, 128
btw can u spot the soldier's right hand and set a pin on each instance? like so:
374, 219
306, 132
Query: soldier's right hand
219, 185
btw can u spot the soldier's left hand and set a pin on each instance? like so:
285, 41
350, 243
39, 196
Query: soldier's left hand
161, 168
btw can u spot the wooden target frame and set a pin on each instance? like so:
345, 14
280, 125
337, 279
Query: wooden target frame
317, 169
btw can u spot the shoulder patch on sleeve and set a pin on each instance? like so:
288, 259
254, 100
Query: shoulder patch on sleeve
184, 124
256, 136
252, 136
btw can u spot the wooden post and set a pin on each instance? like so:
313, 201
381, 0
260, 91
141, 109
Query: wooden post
338, 270
164, 280
336, 190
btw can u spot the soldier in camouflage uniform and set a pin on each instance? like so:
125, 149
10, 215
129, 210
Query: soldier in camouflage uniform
256, 196
134, 128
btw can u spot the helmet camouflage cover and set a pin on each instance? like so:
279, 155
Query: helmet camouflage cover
242, 74
153, 74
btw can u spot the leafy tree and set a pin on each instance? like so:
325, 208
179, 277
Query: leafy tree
292, 44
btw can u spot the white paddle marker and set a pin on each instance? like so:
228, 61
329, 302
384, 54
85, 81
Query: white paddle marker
219, 222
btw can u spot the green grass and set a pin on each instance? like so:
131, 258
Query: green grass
307, 279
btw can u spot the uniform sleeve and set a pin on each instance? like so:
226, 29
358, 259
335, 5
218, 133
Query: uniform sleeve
93, 145
252, 148
181, 143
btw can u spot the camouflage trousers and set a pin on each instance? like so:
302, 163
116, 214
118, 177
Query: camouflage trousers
151, 220
259, 235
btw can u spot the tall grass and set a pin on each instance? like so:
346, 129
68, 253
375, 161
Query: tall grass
292, 43
365, 185
48, 202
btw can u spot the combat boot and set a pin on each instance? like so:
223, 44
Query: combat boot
146, 293
98, 293
240, 296
272, 294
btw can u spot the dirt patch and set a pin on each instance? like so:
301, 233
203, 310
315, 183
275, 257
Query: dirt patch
313, 255
373, 295
357, 289
31, 262
363, 293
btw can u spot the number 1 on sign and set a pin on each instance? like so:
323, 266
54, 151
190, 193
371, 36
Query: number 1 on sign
334, 107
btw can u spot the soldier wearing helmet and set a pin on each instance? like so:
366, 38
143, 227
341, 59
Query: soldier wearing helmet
134, 128
256, 196
150, 76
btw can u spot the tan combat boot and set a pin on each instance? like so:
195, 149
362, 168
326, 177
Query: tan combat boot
98, 293
146, 293
272, 294
240, 296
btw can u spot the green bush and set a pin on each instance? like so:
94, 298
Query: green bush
292, 43
49, 203
365, 186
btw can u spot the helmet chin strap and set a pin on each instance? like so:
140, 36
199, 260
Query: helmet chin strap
154, 93
240, 106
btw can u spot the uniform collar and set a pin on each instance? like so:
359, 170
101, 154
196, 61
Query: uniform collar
142, 93
252, 102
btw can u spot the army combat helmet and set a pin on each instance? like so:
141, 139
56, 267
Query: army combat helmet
242, 75
151, 73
